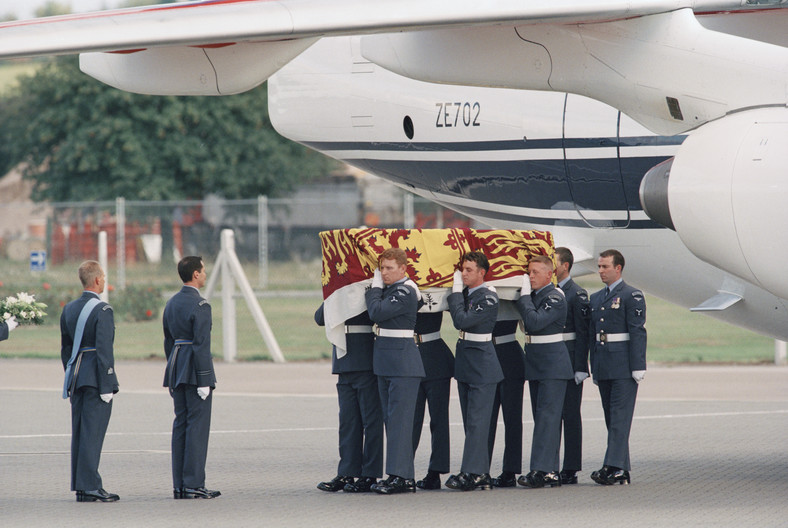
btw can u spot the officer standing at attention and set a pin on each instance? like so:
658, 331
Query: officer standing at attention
190, 377
360, 415
474, 311
392, 303
509, 394
434, 390
617, 340
87, 334
547, 368
578, 314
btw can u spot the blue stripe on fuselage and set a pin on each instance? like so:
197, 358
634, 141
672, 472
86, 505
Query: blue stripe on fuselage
528, 183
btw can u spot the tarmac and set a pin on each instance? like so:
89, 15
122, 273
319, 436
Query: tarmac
708, 448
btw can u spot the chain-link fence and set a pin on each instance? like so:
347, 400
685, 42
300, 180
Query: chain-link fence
276, 239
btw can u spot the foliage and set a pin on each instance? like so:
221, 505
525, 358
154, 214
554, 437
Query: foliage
135, 303
83, 140
24, 308
52, 8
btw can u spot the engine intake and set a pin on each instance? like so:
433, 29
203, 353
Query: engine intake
726, 195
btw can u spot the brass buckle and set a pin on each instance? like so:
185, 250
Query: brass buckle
602, 336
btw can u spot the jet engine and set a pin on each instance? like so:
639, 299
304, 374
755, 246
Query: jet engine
726, 195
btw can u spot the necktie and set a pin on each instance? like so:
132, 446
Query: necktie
465, 298
607, 291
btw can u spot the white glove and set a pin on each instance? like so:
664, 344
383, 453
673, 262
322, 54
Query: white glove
412, 284
638, 375
11, 323
526, 287
106, 397
203, 392
580, 377
377, 279
457, 285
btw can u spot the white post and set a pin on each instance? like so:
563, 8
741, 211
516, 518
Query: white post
231, 259
228, 302
102, 259
780, 353
408, 220
120, 241
262, 240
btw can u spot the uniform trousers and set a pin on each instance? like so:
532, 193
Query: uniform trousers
190, 431
573, 427
398, 400
618, 402
476, 402
509, 398
360, 425
89, 421
434, 393
547, 403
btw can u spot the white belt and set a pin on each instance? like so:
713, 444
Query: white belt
611, 338
425, 338
468, 336
388, 332
358, 329
571, 336
543, 339
499, 340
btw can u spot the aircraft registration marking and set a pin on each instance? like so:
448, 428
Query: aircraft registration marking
468, 111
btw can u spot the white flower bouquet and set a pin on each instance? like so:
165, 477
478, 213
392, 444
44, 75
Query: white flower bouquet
24, 307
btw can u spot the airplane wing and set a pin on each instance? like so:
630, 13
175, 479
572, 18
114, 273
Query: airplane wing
651, 59
224, 21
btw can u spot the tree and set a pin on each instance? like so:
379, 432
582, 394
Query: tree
52, 8
83, 140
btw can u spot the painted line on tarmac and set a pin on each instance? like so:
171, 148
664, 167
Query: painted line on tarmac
453, 424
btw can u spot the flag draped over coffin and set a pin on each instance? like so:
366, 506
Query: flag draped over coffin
350, 257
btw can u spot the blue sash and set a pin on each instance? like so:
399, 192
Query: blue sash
83, 318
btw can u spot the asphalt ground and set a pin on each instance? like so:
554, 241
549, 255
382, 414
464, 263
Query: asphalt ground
708, 448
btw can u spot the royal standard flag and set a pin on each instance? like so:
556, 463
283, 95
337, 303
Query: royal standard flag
350, 257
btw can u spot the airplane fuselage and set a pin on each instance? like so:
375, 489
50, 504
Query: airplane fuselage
509, 159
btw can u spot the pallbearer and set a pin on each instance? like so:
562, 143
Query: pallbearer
392, 303
547, 368
474, 310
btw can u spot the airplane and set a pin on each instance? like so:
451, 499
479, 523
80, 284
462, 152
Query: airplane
657, 127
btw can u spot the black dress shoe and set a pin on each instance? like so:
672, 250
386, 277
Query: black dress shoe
431, 482
395, 485
362, 485
100, 495
335, 484
568, 476
383, 482
469, 482
506, 479
199, 493
609, 475
177, 493
539, 479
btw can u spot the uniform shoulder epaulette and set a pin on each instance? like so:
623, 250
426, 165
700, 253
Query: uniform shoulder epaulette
637, 295
203, 302
582, 295
555, 297
401, 290
106, 307
491, 300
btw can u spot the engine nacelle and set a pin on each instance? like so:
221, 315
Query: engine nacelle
193, 70
727, 195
